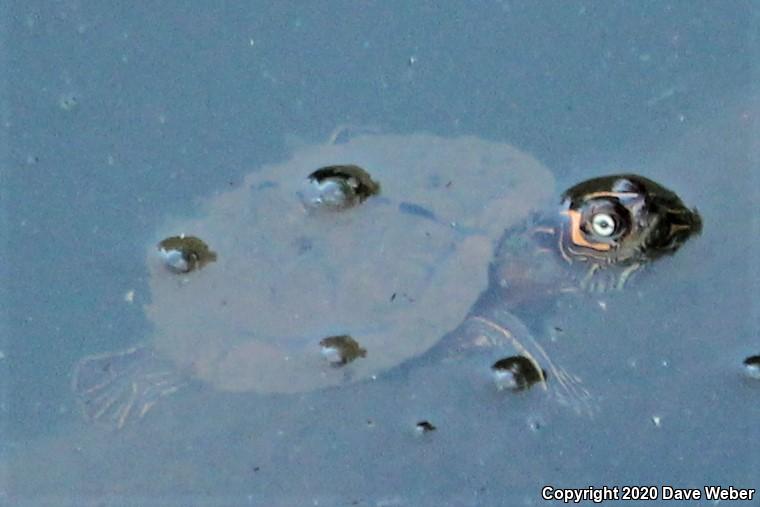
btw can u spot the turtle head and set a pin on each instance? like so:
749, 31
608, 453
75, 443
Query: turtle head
623, 221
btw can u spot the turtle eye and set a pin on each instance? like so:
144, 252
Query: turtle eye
603, 224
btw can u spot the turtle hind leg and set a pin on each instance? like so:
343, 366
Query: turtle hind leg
117, 387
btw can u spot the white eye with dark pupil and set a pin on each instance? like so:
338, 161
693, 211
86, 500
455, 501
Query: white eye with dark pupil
603, 224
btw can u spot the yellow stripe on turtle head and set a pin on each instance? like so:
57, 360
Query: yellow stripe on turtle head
576, 236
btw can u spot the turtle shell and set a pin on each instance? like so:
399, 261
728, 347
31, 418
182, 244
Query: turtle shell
394, 271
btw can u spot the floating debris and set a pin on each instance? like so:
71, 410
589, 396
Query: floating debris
68, 102
338, 187
183, 254
423, 427
752, 366
516, 373
341, 350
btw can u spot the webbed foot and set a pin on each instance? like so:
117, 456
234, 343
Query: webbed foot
117, 387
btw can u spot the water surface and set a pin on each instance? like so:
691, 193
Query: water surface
115, 117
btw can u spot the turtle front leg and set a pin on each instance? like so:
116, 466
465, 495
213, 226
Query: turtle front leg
519, 361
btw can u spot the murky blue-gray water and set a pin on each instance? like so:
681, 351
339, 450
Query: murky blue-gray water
116, 116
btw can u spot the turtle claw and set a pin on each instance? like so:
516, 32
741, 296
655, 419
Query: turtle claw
117, 387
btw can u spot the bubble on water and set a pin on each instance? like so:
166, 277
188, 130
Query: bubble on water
338, 187
516, 373
752, 366
341, 350
174, 260
182, 254
423, 427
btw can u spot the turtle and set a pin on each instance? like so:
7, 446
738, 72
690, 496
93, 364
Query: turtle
347, 259
602, 233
